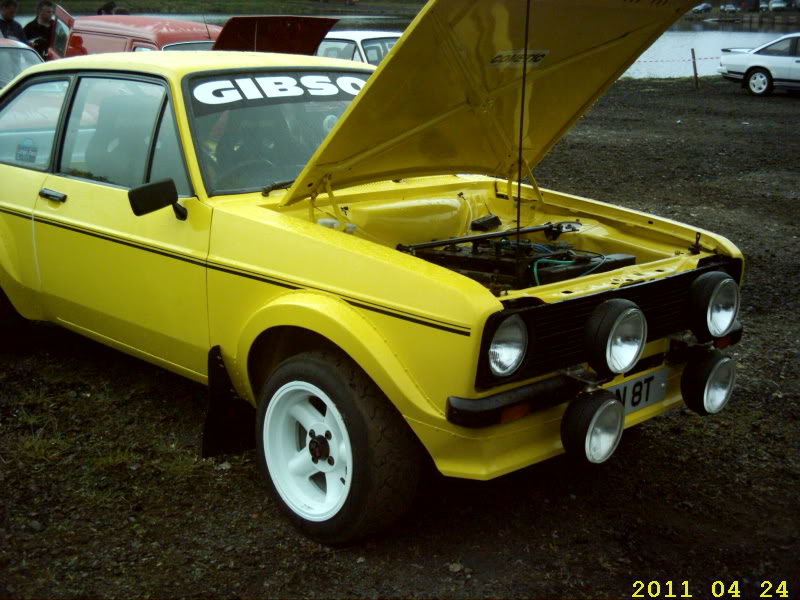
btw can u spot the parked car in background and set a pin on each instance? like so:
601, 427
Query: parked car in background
775, 64
778, 5
728, 8
76, 36
15, 57
702, 8
347, 254
361, 46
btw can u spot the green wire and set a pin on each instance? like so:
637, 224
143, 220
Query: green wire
547, 260
566, 262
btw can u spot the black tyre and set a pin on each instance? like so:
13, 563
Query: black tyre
12, 324
759, 82
338, 457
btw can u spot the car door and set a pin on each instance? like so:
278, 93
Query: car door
29, 117
137, 283
62, 28
794, 73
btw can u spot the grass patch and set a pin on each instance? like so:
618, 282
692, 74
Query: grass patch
37, 449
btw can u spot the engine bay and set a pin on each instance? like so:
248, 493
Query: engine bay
504, 260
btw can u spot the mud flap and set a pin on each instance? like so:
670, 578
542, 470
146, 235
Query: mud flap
230, 420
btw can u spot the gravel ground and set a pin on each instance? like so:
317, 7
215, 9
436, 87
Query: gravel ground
102, 493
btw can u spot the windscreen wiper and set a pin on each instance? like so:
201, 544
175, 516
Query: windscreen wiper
278, 185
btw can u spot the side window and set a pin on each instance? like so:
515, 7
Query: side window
377, 49
168, 157
338, 49
109, 130
28, 124
782, 48
61, 36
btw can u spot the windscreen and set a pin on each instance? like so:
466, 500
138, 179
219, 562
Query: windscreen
15, 60
184, 46
252, 130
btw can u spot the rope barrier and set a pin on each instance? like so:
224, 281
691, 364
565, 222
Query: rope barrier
679, 60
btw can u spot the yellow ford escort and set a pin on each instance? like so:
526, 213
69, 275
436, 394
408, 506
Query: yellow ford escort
365, 257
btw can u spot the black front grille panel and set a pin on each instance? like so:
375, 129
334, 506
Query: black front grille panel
556, 330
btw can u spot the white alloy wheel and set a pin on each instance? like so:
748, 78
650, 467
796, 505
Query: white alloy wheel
308, 451
337, 456
759, 82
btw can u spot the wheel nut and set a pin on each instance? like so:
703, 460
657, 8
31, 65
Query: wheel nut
314, 459
330, 460
311, 434
328, 435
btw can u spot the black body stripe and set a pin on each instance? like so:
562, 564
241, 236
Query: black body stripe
123, 242
15, 213
400, 314
253, 276
433, 323
408, 318
351, 301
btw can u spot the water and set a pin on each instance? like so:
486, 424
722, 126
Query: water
669, 56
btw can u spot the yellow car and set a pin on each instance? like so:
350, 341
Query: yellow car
355, 253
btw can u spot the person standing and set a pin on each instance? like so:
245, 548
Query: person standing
107, 8
38, 30
9, 28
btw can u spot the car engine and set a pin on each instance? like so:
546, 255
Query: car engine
502, 261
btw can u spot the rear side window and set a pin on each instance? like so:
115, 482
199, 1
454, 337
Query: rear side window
28, 125
782, 48
338, 49
377, 49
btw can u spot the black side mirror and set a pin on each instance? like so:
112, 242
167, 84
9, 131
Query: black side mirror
154, 196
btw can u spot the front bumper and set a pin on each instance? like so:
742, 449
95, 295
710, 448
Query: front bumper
487, 437
497, 408
489, 452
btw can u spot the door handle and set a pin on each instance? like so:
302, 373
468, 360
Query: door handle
52, 195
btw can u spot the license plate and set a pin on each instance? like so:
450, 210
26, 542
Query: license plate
642, 391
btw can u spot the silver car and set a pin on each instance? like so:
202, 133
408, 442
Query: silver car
775, 64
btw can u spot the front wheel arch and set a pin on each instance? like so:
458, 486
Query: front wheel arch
758, 81
336, 454
321, 322
275, 345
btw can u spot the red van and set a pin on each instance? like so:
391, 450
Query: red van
74, 36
